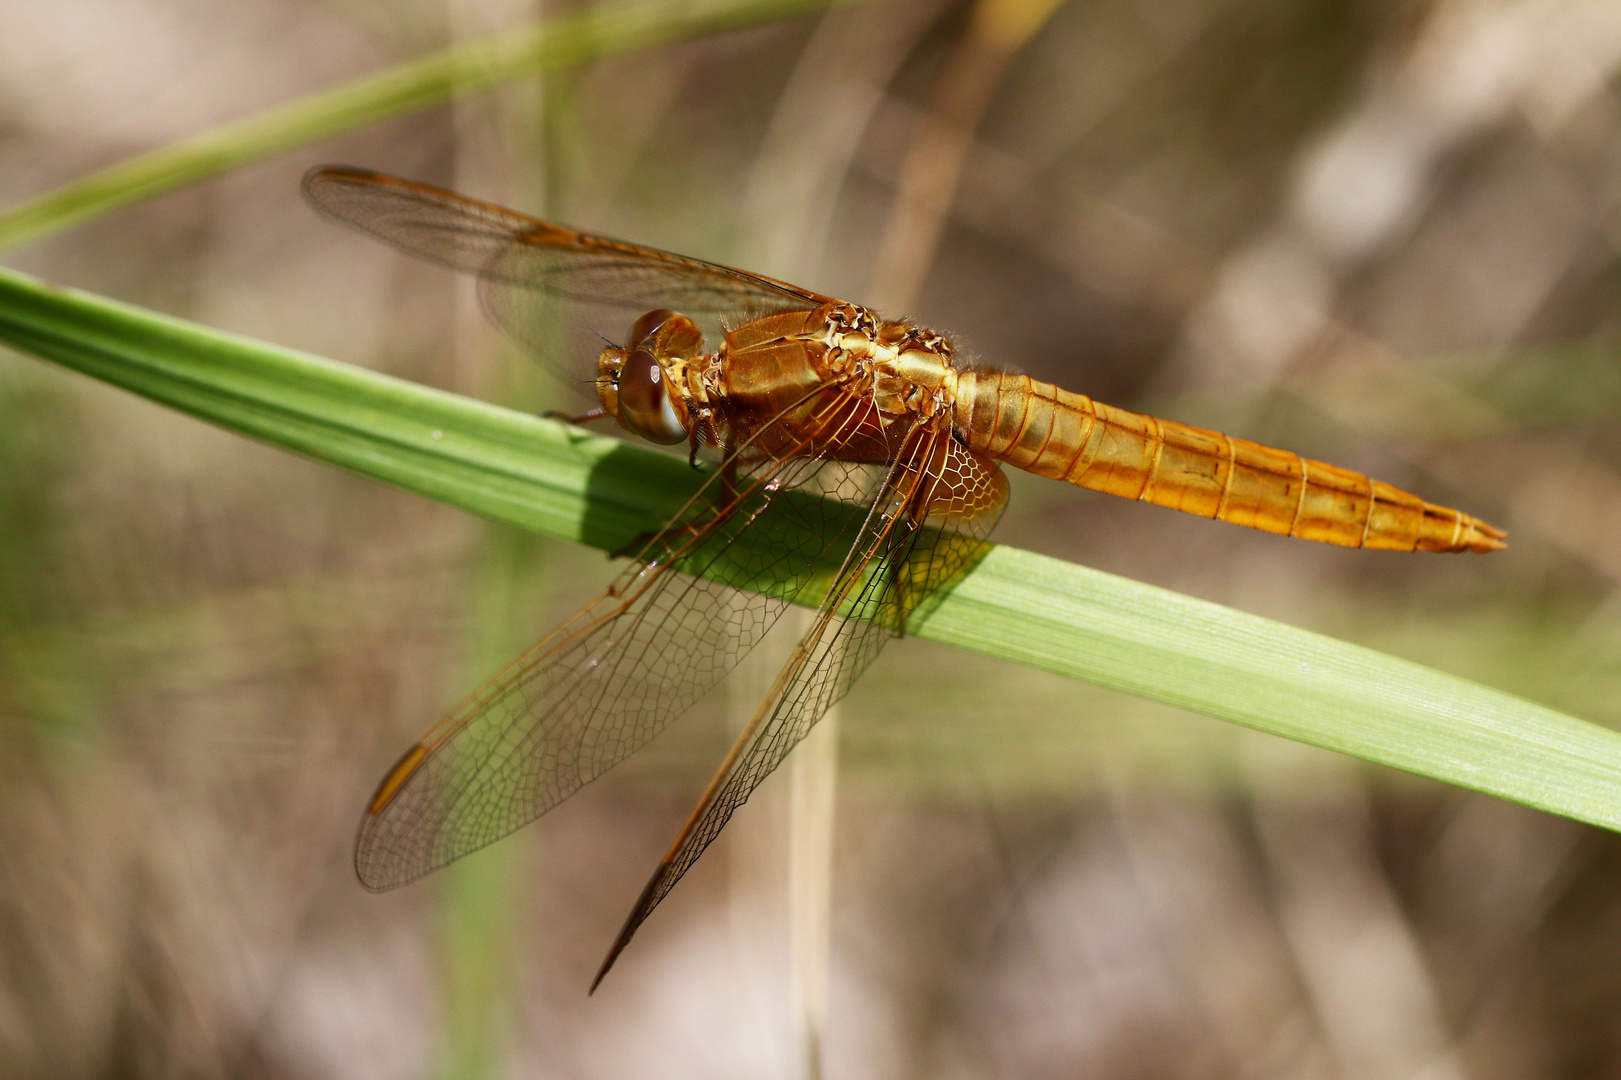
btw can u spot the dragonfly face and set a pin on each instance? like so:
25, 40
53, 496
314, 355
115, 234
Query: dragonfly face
859, 473
644, 385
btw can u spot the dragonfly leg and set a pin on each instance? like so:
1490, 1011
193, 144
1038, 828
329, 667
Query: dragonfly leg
916, 510
598, 413
693, 438
671, 536
692, 529
705, 432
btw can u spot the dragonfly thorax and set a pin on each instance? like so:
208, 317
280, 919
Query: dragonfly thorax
661, 386
805, 363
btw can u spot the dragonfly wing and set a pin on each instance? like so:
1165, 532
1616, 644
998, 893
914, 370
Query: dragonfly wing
926, 527
608, 680
509, 249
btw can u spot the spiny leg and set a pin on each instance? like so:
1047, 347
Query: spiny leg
599, 413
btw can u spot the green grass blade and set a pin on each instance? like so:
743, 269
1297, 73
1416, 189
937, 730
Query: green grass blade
1023, 607
561, 42
1168, 647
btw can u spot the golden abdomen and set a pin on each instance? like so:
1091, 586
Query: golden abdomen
1052, 432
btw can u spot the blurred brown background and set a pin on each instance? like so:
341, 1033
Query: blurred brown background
1383, 233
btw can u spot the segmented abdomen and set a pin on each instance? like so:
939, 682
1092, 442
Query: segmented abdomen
1052, 432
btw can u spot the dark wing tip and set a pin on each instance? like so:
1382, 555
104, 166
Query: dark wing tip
374, 866
380, 869
376, 871
645, 904
316, 171
322, 176
373, 885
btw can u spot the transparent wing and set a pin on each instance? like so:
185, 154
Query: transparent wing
699, 595
510, 249
925, 528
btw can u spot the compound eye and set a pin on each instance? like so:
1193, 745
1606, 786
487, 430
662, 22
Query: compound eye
648, 325
645, 407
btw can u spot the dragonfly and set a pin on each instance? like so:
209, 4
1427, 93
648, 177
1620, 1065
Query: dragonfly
849, 463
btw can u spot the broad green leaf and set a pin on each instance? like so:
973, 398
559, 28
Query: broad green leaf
557, 43
1013, 604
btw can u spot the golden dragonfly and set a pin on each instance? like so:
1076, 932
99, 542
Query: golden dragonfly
844, 445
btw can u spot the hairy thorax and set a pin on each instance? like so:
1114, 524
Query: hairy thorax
835, 374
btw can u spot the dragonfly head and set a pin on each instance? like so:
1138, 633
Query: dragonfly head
635, 383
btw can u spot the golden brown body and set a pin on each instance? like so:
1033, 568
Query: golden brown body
805, 394
785, 367
1065, 436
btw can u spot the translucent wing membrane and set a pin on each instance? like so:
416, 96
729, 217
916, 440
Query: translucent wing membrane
510, 249
864, 544
925, 527
608, 680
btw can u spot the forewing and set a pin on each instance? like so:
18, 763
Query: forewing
927, 525
698, 596
509, 249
